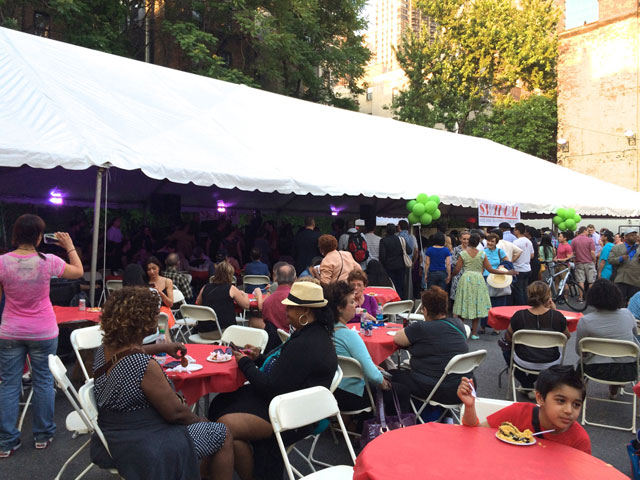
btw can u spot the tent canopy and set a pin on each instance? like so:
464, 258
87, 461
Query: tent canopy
71, 107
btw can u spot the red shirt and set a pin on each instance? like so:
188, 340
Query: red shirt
274, 311
521, 415
582, 247
564, 251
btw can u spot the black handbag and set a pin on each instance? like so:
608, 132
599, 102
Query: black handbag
380, 423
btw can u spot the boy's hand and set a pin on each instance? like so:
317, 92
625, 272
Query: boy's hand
466, 392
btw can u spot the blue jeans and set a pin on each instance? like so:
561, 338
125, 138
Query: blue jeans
13, 354
438, 278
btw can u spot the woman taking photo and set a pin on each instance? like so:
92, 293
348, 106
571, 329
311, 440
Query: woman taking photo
307, 359
29, 327
358, 281
151, 433
163, 285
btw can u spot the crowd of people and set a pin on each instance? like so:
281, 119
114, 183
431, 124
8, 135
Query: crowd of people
316, 290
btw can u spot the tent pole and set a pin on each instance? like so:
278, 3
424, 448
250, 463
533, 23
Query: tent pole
96, 231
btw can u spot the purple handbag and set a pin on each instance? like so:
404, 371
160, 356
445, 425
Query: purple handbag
380, 423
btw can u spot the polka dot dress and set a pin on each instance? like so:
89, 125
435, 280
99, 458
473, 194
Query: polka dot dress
121, 391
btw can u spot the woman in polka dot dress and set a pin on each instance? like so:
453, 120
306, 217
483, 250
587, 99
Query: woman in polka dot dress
151, 433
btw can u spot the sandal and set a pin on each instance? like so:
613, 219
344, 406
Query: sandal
42, 444
475, 337
11, 451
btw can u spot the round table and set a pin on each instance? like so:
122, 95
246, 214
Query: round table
214, 377
383, 295
72, 314
380, 344
499, 317
440, 451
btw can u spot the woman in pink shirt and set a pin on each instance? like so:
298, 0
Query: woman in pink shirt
29, 327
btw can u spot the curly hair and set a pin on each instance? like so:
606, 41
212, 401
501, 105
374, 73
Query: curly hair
356, 275
336, 294
436, 301
327, 243
128, 315
605, 295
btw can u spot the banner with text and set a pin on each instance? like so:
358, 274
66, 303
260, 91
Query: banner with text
492, 214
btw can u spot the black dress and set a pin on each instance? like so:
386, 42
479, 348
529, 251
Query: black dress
142, 443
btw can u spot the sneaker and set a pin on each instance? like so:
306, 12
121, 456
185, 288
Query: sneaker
11, 451
42, 444
475, 337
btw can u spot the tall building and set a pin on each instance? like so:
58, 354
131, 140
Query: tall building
598, 89
391, 20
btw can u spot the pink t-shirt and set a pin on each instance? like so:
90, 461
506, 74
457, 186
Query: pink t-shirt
28, 313
564, 251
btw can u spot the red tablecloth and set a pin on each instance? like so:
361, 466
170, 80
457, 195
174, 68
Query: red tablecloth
379, 345
499, 317
202, 275
383, 295
72, 314
113, 277
439, 451
214, 377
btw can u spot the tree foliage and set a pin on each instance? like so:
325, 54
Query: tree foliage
300, 48
481, 51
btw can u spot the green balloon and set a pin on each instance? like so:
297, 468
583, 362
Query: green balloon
418, 209
557, 220
413, 219
436, 215
410, 205
425, 219
435, 198
430, 207
561, 212
570, 213
577, 218
571, 225
422, 198
562, 227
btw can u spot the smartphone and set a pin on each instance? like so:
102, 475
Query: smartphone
50, 238
234, 347
171, 364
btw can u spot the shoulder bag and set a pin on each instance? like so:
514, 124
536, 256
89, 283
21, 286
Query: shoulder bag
405, 256
380, 423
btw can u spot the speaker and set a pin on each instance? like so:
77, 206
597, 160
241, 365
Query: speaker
368, 214
167, 205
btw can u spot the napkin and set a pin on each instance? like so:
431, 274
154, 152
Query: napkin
354, 329
190, 358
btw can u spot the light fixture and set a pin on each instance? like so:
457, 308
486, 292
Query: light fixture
631, 137
334, 211
56, 197
563, 144
221, 206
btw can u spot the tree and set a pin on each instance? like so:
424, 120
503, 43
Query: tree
481, 51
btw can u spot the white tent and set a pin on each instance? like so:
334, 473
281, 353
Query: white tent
62, 105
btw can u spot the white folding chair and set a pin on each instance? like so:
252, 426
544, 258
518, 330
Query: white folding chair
284, 336
86, 339
163, 324
76, 421
256, 280
351, 368
113, 285
467, 329
461, 364
242, 336
416, 316
610, 348
178, 299
199, 314
486, 407
87, 276
535, 339
391, 309
89, 406
304, 407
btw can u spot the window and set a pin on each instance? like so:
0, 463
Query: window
580, 12
41, 24
369, 94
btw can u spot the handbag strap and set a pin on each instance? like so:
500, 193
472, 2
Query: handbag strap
341, 264
113, 360
380, 407
456, 328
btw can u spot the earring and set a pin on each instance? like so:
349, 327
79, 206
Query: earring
300, 320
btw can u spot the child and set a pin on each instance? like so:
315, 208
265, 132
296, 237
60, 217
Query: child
559, 395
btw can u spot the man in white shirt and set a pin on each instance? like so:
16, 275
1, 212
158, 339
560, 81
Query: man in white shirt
373, 240
522, 265
595, 236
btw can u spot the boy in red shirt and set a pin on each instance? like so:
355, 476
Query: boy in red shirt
559, 395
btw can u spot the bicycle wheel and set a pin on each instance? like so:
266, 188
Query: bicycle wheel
573, 294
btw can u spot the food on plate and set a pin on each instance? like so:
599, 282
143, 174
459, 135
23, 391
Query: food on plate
94, 309
184, 362
219, 356
510, 433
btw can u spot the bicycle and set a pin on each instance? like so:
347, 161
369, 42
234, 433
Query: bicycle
568, 290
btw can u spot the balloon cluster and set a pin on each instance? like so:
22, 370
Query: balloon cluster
566, 219
424, 209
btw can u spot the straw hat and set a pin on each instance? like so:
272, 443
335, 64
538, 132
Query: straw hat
499, 281
305, 294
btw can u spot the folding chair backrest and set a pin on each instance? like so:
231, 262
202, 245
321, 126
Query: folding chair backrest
392, 308
351, 367
465, 362
284, 336
418, 308
609, 348
198, 312
59, 372
85, 339
337, 378
486, 407
163, 321
467, 330
255, 280
242, 336
539, 338
113, 285
178, 296
90, 407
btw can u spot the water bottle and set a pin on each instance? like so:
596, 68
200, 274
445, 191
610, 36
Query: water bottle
379, 317
82, 304
161, 340
363, 316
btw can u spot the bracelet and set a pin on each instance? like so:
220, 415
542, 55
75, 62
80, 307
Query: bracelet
475, 425
72, 250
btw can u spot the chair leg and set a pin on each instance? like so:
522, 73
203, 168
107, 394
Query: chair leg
24, 410
77, 452
85, 471
502, 372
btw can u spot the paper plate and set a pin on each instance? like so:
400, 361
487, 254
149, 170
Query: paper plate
213, 360
392, 332
194, 367
517, 444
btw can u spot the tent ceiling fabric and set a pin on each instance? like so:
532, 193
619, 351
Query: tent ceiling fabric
62, 105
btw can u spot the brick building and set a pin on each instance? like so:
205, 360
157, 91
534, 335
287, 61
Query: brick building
598, 79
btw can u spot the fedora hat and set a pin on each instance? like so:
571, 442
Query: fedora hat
305, 294
499, 281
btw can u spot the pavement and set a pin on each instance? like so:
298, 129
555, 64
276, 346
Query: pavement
608, 445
